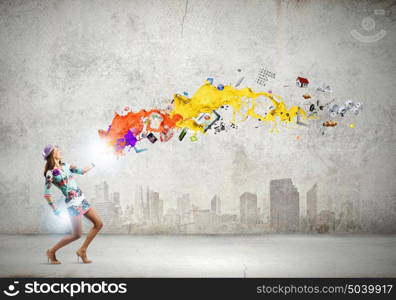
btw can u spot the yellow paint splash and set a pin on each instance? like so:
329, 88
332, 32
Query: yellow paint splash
208, 98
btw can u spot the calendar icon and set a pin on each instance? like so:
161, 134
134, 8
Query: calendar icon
263, 75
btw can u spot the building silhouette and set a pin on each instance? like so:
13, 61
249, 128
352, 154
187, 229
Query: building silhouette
229, 218
348, 220
284, 206
115, 200
115, 197
172, 218
202, 219
161, 210
312, 207
102, 192
215, 205
108, 207
128, 215
148, 207
142, 204
326, 221
330, 203
155, 208
184, 207
139, 204
248, 208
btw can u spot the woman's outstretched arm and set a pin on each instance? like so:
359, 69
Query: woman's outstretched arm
75, 169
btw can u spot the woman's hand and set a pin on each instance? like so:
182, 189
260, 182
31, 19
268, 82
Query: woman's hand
86, 169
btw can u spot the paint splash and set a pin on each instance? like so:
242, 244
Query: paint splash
127, 130
195, 114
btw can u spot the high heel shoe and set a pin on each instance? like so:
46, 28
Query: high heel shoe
83, 255
52, 258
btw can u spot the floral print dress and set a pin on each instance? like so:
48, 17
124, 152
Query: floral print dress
63, 179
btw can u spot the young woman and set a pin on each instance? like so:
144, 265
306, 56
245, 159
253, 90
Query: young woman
60, 174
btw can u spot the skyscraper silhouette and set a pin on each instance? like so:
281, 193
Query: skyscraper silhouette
184, 208
154, 207
312, 207
285, 206
102, 192
248, 208
215, 205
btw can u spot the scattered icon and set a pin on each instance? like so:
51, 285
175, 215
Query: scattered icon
151, 137
239, 81
302, 82
330, 123
263, 75
183, 134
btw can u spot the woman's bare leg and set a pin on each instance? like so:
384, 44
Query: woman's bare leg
77, 232
97, 226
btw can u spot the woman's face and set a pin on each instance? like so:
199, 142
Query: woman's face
57, 154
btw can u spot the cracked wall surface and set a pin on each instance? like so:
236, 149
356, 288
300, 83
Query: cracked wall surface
67, 66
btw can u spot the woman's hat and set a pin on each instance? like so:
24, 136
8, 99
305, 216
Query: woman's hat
47, 150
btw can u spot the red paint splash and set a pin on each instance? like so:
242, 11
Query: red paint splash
122, 126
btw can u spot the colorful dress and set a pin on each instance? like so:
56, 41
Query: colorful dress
63, 178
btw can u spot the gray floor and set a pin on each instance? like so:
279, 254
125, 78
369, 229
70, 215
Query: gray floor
205, 256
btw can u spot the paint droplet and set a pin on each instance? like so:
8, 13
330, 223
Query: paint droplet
298, 137
352, 125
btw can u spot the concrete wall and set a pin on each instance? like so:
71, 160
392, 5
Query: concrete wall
67, 66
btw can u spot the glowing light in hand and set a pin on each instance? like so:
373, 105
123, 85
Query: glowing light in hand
100, 153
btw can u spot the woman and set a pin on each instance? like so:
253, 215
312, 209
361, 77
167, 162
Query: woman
60, 174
